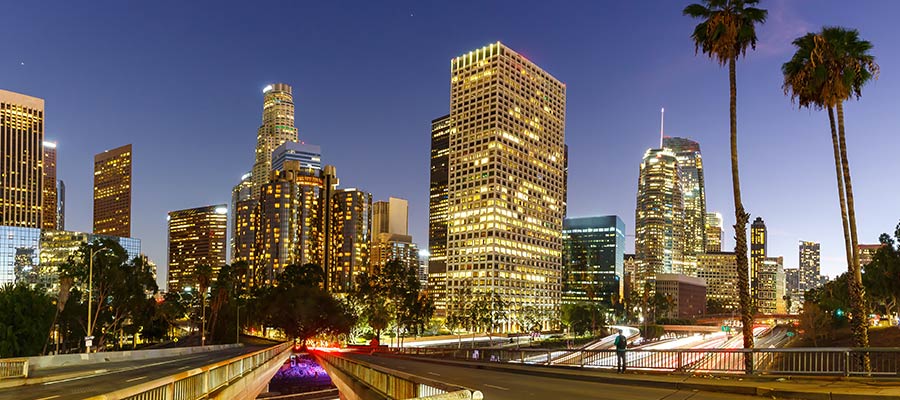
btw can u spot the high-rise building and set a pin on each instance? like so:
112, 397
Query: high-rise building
243, 221
758, 239
437, 212
21, 141
56, 246
693, 190
770, 290
593, 260
792, 289
277, 127
60, 205
629, 265
391, 216
49, 201
19, 252
112, 192
809, 265
330, 182
714, 231
688, 294
867, 252
197, 236
308, 155
351, 216
659, 218
719, 269
507, 183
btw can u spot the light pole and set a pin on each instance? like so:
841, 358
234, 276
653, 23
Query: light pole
88, 339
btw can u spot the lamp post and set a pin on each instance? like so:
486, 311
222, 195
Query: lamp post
88, 338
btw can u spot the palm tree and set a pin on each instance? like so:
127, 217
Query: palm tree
203, 275
726, 29
829, 67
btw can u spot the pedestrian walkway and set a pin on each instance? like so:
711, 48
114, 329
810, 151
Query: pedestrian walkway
794, 387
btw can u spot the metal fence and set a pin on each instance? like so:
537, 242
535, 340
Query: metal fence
13, 368
200, 382
795, 361
395, 384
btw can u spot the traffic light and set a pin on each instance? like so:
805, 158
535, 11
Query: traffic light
839, 312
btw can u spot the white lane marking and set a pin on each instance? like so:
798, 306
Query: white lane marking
49, 397
136, 379
97, 372
495, 387
434, 373
108, 372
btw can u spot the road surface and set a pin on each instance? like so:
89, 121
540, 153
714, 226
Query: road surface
498, 385
109, 377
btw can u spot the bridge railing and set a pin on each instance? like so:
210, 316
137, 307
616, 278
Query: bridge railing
794, 361
198, 383
13, 368
396, 384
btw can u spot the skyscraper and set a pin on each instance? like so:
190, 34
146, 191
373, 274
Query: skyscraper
758, 239
197, 236
659, 218
506, 187
21, 141
713, 232
112, 192
809, 265
351, 216
48, 185
593, 260
243, 221
437, 212
687, 152
277, 127
329, 187
719, 269
60, 205
308, 155
391, 216
770, 286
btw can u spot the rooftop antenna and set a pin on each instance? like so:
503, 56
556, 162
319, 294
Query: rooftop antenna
662, 125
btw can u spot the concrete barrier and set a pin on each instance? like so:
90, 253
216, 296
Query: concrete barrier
64, 360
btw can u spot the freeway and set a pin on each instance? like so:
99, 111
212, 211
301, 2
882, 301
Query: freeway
97, 379
497, 385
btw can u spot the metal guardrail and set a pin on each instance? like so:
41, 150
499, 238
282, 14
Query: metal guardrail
199, 382
885, 362
13, 368
395, 384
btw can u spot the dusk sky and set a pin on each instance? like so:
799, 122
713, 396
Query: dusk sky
182, 81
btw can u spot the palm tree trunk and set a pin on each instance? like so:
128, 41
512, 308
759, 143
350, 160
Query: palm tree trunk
840, 182
857, 296
740, 226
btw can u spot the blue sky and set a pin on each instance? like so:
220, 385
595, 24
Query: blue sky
182, 82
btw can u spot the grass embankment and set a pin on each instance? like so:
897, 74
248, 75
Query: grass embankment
882, 336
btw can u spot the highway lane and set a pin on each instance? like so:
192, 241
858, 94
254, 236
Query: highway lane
105, 378
498, 385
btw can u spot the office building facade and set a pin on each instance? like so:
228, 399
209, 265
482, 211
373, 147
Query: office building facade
593, 260
688, 294
437, 212
351, 225
21, 138
60, 205
48, 187
277, 128
758, 239
391, 216
693, 190
714, 232
308, 155
506, 180
867, 252
58, 245
810, 269
197, 236
659, 218
112, 192
719, 270
243, 221
770, 292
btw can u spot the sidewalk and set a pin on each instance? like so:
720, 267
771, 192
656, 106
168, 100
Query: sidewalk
791, 387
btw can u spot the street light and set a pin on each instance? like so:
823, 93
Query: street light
88, 339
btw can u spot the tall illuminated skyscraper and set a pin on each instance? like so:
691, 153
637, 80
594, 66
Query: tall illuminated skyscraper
197, 236
60, 205
506, 188
758, 239
277, 127
714, 232
48, 185
659, 218
594, 260
770, 286
809, 265
351, 216
243, 222
437, 212
112, 192
21, 141
694, 195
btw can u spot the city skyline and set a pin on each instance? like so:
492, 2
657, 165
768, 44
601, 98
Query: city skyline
224, 122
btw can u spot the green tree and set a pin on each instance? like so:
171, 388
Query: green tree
392, 293
828, 68
26, 314
815, 323
727, 28
881, 277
